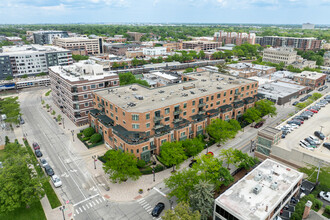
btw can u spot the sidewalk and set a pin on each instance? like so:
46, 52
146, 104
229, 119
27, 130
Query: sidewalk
56, 214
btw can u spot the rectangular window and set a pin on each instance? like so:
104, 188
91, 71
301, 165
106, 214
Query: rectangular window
84, 87
137, 151
218, 95
111, 107
135, 126
193, 111
116, 109
85, 96
212, 97
145, 148
247, 87
148, 116
111, 114
100, 85
225, 94
93, 86
183, 134
167, 118
167, 111
116, 118
185, 105
123, 113
218, 103
86, 104
163, 141
193, 102
231, 92
148, 125
207, 99
135, 117
242, 89
184, 113
224, 101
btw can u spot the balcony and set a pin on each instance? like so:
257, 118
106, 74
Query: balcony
158, 118
201, 112
177, 111
153, 147
158, 126
201, 104
176, 120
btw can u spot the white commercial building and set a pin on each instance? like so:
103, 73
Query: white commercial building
308, 26
261, 194
154, 51
279, 55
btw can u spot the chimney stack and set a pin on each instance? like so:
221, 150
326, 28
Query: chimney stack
308, 207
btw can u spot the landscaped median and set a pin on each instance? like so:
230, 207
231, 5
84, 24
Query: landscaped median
51, 195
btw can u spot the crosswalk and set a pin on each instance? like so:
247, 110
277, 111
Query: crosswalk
145, 205
87, 204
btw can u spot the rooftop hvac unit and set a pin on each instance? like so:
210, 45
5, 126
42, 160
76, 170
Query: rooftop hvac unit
139, 97
274, 186
269, 178
257, 189
258, 177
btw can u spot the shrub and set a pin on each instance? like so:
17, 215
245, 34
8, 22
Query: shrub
95, 138
88, 132
318, 204
147, 170
86, 138
327, 209
159, 168
141, 163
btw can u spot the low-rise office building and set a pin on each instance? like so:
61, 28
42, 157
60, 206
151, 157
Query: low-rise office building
17, 61
280, 55
139, 120
261, 194
161, 78
72, 88
200, 45
310, 79
47, 37
261, 69
80, 45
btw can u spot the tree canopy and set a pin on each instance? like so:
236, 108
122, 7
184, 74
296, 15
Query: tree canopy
181, 212
201, 199
172, 153
221, 130
266, 107
128, 78
192, 147
121, 166
251, 115
11, 108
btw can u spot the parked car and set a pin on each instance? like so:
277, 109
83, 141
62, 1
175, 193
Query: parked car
38, 153
158, 209
259, 124
302, 99
285, 132
43, 162
325, 87
320, 89
294, 126
326, 145
310, 141
305, 116
316, 107
294, 200
49, 170
299, 118
325, 195
319, 134
283, 135
56, 181
35, 146
321, 104
315, 139
294, 122
312, 110
295, 103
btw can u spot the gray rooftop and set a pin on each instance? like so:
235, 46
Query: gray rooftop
272, 180
205, 83
279, 89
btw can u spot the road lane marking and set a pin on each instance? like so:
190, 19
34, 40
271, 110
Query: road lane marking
100, 200
144, 202
85, 200
160, 192
145, 205
149, 209
140, 199
87, 206
71, 177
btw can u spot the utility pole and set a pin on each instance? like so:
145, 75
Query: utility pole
72, 131
153, 173
94, 158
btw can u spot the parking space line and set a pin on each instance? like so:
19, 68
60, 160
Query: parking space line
97, 201
77, 211
103, 198
93, 203
90, 204
100, 200
80, 209
87, 206
84, 208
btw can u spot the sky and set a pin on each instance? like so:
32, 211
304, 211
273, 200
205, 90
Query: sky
165, 11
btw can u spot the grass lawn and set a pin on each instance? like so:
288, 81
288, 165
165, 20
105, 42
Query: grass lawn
324, 177
34, 212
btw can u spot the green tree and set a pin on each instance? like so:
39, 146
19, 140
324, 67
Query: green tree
181, 183
251, 115
266, 107
201, 199
201, 54
228, 156
128, 78
301, 105
222, 68
9, 78
79, 57
20, 185
25, 76
121, 166
88, 131
192, 147
53, 112
315, 96
95, 138
188, 70
181, 212
172, 154
243, 160
221, 130
59, 118
11, 108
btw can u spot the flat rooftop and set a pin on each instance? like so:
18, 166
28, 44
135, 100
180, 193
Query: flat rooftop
205, 83
291, 141
279, 89
273, 181
83, 70
249, 65
73, 39
29, 49
310, 75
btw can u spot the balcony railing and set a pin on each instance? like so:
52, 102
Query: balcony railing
158, 118
153, 147
201, 112
177, 120
177, 111
201, 104
158, 126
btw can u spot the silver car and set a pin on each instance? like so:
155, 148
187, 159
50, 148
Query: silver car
56, 181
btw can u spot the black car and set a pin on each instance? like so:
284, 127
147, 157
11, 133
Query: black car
38, 153
320, 89
49, 170
302, 99
319, 134
294, 122
326, 145
158, 209
309, 140
283, 135
295, 103
304, 116
299, 118
259, 124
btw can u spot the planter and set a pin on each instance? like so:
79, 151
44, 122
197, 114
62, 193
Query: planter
140, 191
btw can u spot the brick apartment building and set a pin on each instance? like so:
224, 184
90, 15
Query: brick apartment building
72, 88
135, 35
139, 120
310, 43
80, 45
234, 37
200, 45
170, 46
121, 49
116, 39
310, 79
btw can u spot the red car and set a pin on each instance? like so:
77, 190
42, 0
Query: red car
312, 110
35, 146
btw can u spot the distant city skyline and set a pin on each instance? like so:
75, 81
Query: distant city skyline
165, 11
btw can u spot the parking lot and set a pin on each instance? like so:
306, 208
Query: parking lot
319, 121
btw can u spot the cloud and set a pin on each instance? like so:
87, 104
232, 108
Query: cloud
60, 7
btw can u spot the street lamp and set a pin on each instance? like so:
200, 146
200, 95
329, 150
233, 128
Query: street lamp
72, 131
94, 158
153, 173
62, 208
63, 123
